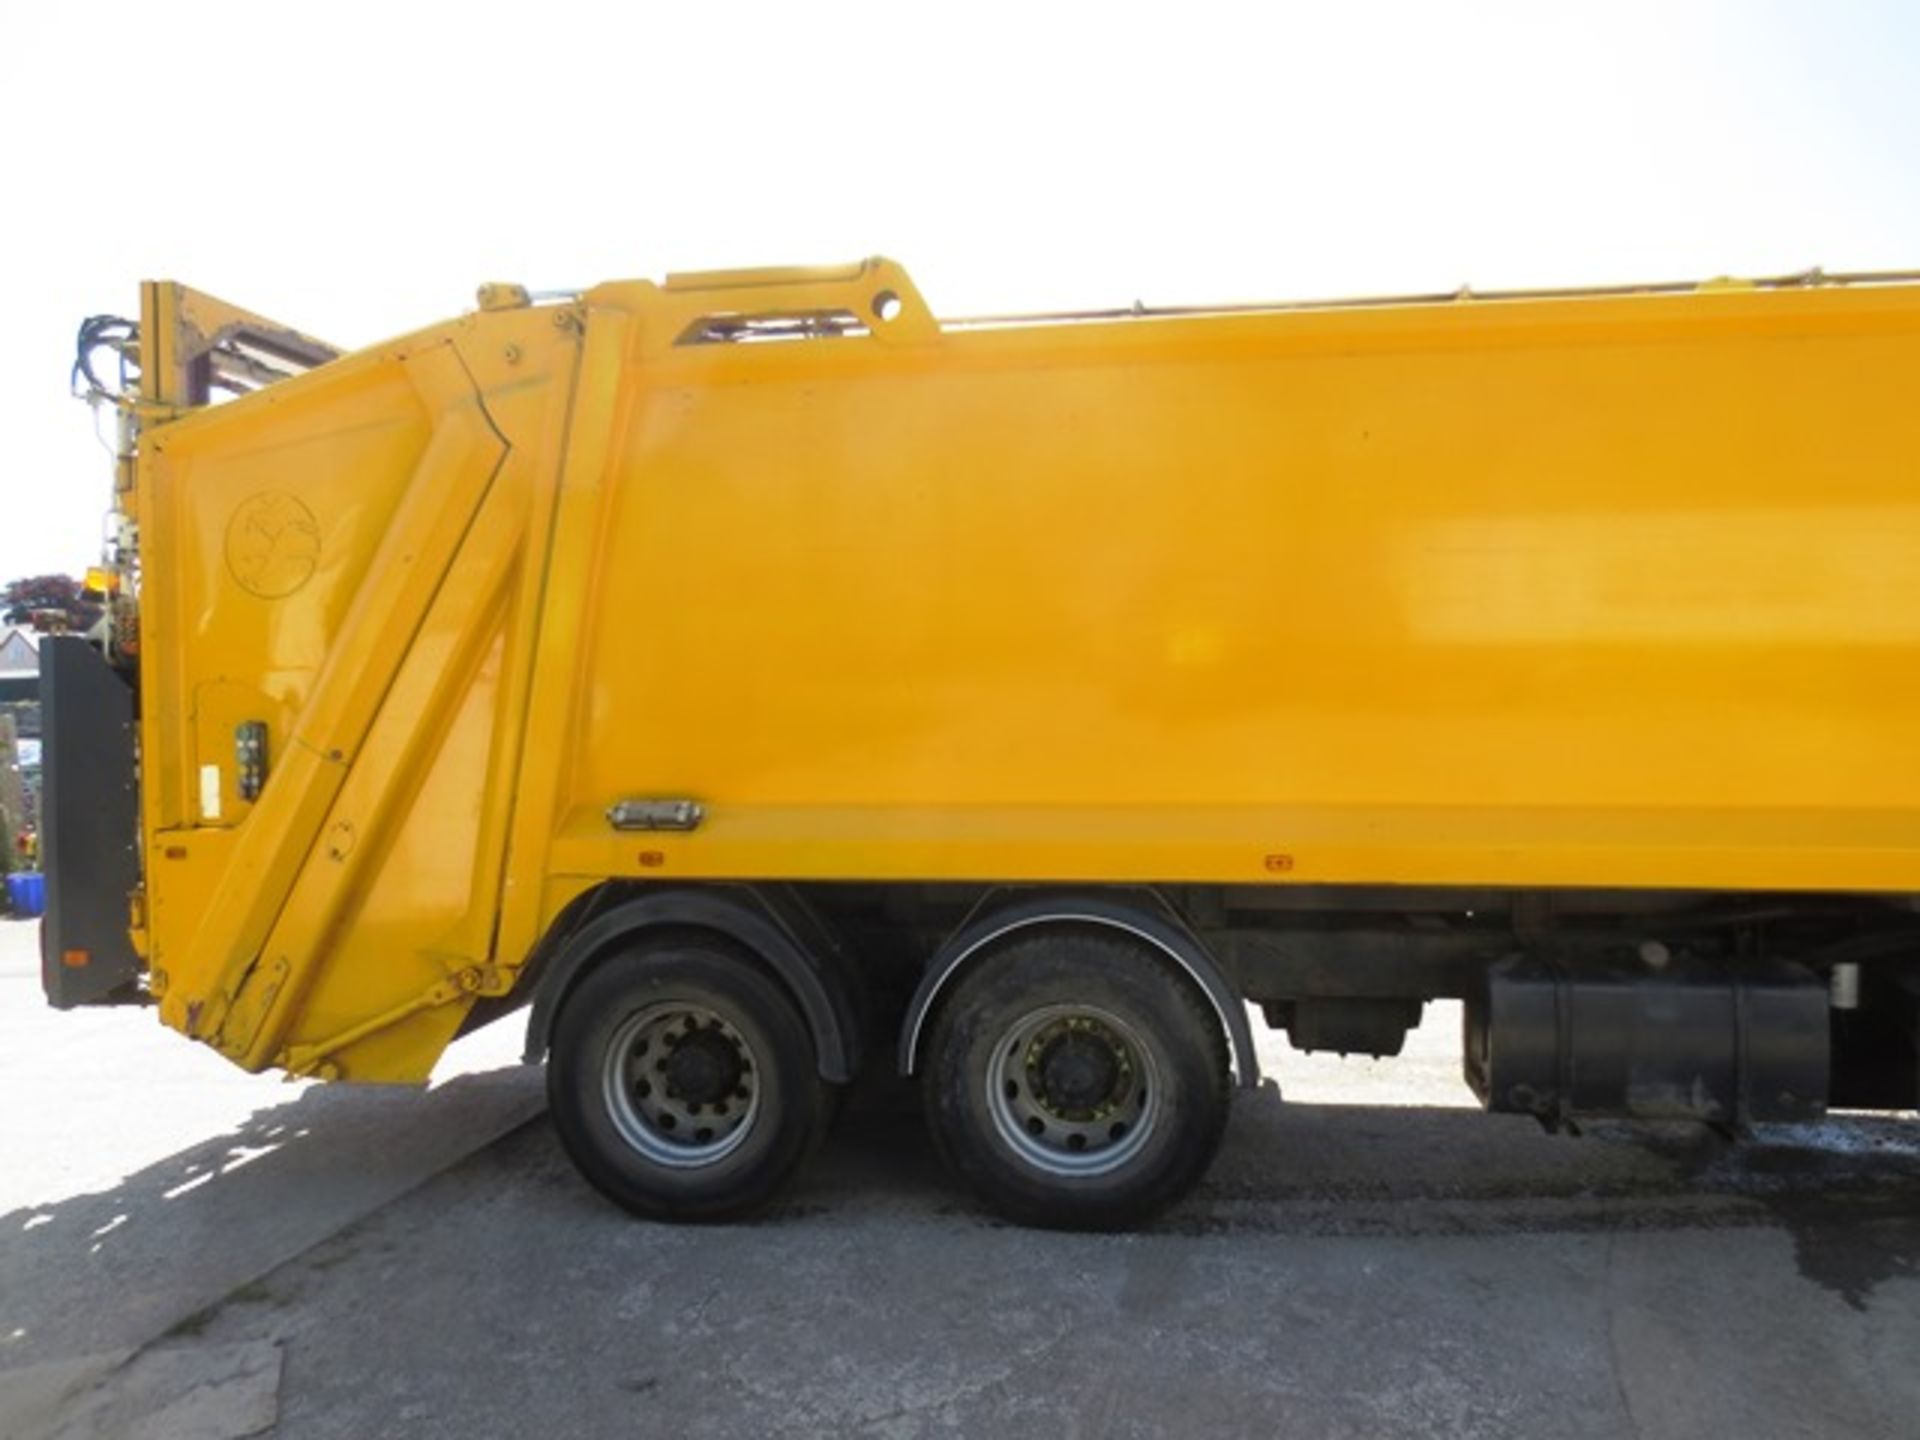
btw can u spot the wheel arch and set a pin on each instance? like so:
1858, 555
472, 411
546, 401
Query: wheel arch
769, 926
1143, 914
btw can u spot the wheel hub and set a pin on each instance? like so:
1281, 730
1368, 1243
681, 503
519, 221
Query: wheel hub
702, 1068
1073, 1090
681, 1084
1078, 1073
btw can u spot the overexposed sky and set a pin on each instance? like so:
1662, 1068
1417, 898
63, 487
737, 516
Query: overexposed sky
356, 169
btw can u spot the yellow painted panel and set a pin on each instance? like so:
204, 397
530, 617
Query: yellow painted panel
1151, 585
263, 518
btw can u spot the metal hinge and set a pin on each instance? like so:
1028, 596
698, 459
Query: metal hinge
656, 815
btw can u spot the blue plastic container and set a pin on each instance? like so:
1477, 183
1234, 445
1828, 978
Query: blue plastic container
28, 892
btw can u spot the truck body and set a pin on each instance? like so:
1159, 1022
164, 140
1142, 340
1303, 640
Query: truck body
1345, 656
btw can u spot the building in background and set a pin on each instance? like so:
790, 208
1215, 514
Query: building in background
19, 666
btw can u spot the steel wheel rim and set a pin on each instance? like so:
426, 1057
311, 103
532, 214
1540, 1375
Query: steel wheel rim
1039, 1119
646, 1082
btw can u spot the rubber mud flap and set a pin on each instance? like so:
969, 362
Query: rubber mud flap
89, 823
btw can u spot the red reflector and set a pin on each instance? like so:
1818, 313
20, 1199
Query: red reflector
75, 959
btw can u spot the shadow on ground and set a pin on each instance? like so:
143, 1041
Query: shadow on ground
122, 1266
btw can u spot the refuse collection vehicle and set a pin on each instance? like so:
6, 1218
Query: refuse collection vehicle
763, 679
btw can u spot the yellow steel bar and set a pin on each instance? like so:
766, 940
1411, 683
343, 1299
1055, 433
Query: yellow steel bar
536, 419
181, 328
1799, 280
311, 1059
877, 294
556, 661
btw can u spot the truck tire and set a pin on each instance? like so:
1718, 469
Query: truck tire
1076, 1080
682, 1081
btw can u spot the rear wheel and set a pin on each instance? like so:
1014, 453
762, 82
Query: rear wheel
1074, 1079
683, 1082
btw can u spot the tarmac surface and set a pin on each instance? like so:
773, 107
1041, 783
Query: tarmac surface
192, 1253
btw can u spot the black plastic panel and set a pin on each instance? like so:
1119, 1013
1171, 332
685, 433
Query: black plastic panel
1560, 1042
89, 823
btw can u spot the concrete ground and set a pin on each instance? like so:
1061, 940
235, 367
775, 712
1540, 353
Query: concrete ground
188, 1252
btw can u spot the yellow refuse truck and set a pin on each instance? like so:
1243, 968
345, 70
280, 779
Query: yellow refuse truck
766, 680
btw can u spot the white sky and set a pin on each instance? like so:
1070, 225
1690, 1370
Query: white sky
356, 169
